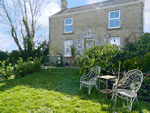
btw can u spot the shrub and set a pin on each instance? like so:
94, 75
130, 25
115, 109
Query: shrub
144, 92
138, 48
98, 55
5, 71
146, 62
24, 68
37, 63
20, 68
143, 45
55, 49
128, 65
138, 63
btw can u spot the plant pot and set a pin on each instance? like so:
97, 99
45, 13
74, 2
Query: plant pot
72, 57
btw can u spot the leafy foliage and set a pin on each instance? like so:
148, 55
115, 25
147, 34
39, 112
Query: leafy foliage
55, 50
128, 65
5, 71
146, 62
98, 55
144, 91
24, 68
72, 50
3, 55
143, 45
135, 52
138, 63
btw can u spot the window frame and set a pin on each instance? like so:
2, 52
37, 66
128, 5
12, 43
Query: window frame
115, 44
113, 19
65, 48
68, 25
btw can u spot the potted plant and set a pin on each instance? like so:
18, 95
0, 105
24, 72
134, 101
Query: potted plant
55, 50
72, 53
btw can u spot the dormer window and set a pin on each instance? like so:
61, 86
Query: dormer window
68, 25
114, 19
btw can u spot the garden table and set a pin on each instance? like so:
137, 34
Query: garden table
106, 77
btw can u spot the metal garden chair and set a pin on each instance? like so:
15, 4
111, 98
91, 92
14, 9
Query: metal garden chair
128, 86
89, 80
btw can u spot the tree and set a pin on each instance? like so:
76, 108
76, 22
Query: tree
3, 55
21, 17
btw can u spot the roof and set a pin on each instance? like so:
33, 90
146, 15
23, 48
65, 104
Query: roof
98, 5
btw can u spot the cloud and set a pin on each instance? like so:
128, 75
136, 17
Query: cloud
50, 9
5, 42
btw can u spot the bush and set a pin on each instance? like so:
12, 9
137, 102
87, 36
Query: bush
144, 92
98, 55
143, 45
138, 63
5, 71
137, 49
146, 62
24, 68
20, 68
37, 63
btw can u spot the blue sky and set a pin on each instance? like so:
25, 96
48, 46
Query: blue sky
53, 6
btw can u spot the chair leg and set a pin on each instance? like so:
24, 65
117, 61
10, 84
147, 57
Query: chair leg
89, 90
112, 95
80, 86
96, 87
130, 103
137, 100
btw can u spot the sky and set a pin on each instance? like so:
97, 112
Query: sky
53, 6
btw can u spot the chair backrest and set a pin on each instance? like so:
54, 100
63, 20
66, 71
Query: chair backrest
132, 79
94, 72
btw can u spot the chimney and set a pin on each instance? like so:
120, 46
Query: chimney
63, 4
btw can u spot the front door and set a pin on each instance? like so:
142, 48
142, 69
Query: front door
88, 44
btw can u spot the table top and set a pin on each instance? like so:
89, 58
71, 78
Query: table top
107, 77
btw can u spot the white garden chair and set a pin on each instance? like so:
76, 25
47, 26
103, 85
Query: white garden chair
90, 79
128, 86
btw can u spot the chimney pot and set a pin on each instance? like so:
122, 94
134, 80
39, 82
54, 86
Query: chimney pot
64, 4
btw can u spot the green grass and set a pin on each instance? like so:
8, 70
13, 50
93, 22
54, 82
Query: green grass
56, 90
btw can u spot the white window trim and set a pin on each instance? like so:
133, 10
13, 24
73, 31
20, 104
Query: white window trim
64, 48
113, 19
68, 25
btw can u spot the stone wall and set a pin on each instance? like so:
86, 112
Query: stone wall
131, 22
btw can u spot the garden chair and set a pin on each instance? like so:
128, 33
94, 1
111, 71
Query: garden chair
128, 86
89, 80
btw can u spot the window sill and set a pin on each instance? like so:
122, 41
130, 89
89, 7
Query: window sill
110, 29
68, 33
67, 56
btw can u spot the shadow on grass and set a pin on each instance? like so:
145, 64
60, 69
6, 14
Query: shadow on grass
65, 81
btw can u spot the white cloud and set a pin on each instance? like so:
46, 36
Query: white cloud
5, 42
49, 10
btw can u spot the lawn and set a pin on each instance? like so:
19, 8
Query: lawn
56, 90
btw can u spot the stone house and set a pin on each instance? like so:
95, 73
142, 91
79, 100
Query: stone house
111, 22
